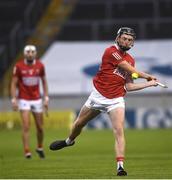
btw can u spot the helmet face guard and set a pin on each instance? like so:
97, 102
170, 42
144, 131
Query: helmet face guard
128, 31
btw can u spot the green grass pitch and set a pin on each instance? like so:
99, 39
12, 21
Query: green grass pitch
148, 155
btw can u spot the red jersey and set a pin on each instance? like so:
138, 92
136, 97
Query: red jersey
110, 79
29, 79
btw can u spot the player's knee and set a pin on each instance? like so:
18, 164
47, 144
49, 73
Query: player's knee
119, 131
26, 129
40, 129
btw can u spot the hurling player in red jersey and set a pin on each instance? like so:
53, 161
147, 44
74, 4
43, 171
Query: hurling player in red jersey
25, 94
111, 83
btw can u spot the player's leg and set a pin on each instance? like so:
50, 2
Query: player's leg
38, 117
117, 117
86, 114
24, 108
37, 112
25, 116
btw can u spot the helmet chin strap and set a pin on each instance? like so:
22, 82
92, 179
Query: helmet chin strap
30, 61
123, 48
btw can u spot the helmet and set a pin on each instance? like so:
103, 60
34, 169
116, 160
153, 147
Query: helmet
126, 30
29, 48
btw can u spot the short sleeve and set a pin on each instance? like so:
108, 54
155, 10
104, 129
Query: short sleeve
116, 56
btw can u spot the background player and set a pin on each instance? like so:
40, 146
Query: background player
110, 85
26, 78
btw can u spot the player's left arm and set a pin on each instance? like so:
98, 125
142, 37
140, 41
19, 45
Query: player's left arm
45, 88
45, 91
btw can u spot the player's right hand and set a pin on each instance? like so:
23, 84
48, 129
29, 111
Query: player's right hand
150, 78
46, 103
14, 104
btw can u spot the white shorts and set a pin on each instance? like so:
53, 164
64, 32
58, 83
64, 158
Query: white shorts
99, 102
31, 105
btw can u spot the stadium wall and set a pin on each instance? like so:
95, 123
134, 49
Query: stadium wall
141, 112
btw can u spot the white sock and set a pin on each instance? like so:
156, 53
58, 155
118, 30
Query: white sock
68, 141
120, 164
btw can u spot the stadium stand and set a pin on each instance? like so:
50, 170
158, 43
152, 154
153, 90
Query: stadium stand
38, 24
18, 19
10, 13
99, 19
89, 20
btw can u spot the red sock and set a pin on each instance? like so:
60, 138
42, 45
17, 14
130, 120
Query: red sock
120, 162
40, 146
26, 150
120, 158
